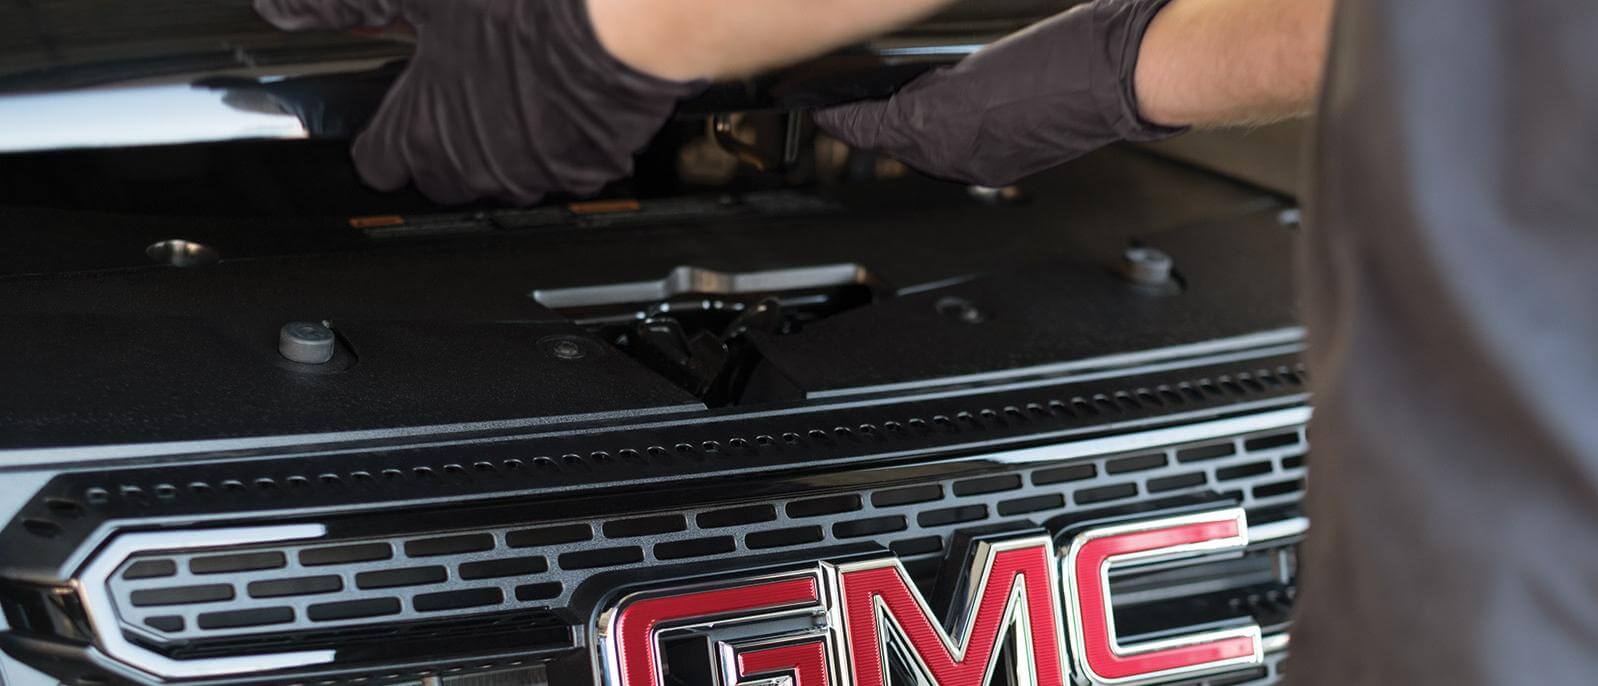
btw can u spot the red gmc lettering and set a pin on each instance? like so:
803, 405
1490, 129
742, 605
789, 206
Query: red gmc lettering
1009, 574
828, 623
1098, 655
805, 663
634, 642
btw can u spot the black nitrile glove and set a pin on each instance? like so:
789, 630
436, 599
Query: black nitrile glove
1039, 98
508, 99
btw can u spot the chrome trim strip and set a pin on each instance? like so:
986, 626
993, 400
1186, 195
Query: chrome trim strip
1289, 336
953, 50
128, 116
16, 459
1271, 531
1275, 643
91, 586
1110, 445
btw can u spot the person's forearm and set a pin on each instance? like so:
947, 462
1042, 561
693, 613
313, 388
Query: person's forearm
692, 39
1232, 62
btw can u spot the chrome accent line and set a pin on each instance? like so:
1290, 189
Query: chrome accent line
91, 586
1275, 643
1288, 336
1031, 382
1270, 531
936, 285
128, 116
954, 50
1110, 445
17, 459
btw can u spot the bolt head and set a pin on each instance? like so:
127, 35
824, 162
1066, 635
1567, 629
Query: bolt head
961, 310
1148, 266
563, 347
566, 350
306, 342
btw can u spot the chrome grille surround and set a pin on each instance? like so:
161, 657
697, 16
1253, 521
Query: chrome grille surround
1258, 458
101, 608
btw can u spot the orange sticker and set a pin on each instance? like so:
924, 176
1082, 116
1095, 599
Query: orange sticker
603, 206
379, 220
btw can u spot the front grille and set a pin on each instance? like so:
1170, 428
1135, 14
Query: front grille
248, 599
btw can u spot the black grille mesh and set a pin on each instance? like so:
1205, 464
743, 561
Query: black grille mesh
315, 587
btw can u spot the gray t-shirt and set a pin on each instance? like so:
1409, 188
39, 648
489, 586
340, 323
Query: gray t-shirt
1451, 281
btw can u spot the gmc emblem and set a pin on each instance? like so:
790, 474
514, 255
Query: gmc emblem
1039, 614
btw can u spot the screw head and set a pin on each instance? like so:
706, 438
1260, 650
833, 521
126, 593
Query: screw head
181, 253
563, 347
1000, 195
306, 342
961, 310
1148, 266
566, 350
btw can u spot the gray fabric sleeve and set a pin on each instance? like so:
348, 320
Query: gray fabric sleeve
503, 98
1451, 289
1034, 100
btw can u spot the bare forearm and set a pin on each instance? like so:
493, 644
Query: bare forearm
689, 39
1232, 62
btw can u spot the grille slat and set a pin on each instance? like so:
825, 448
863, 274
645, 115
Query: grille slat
305, 585
229, 564
445, 574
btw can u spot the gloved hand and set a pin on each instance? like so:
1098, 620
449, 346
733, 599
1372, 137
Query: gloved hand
503, 98
1031, 101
